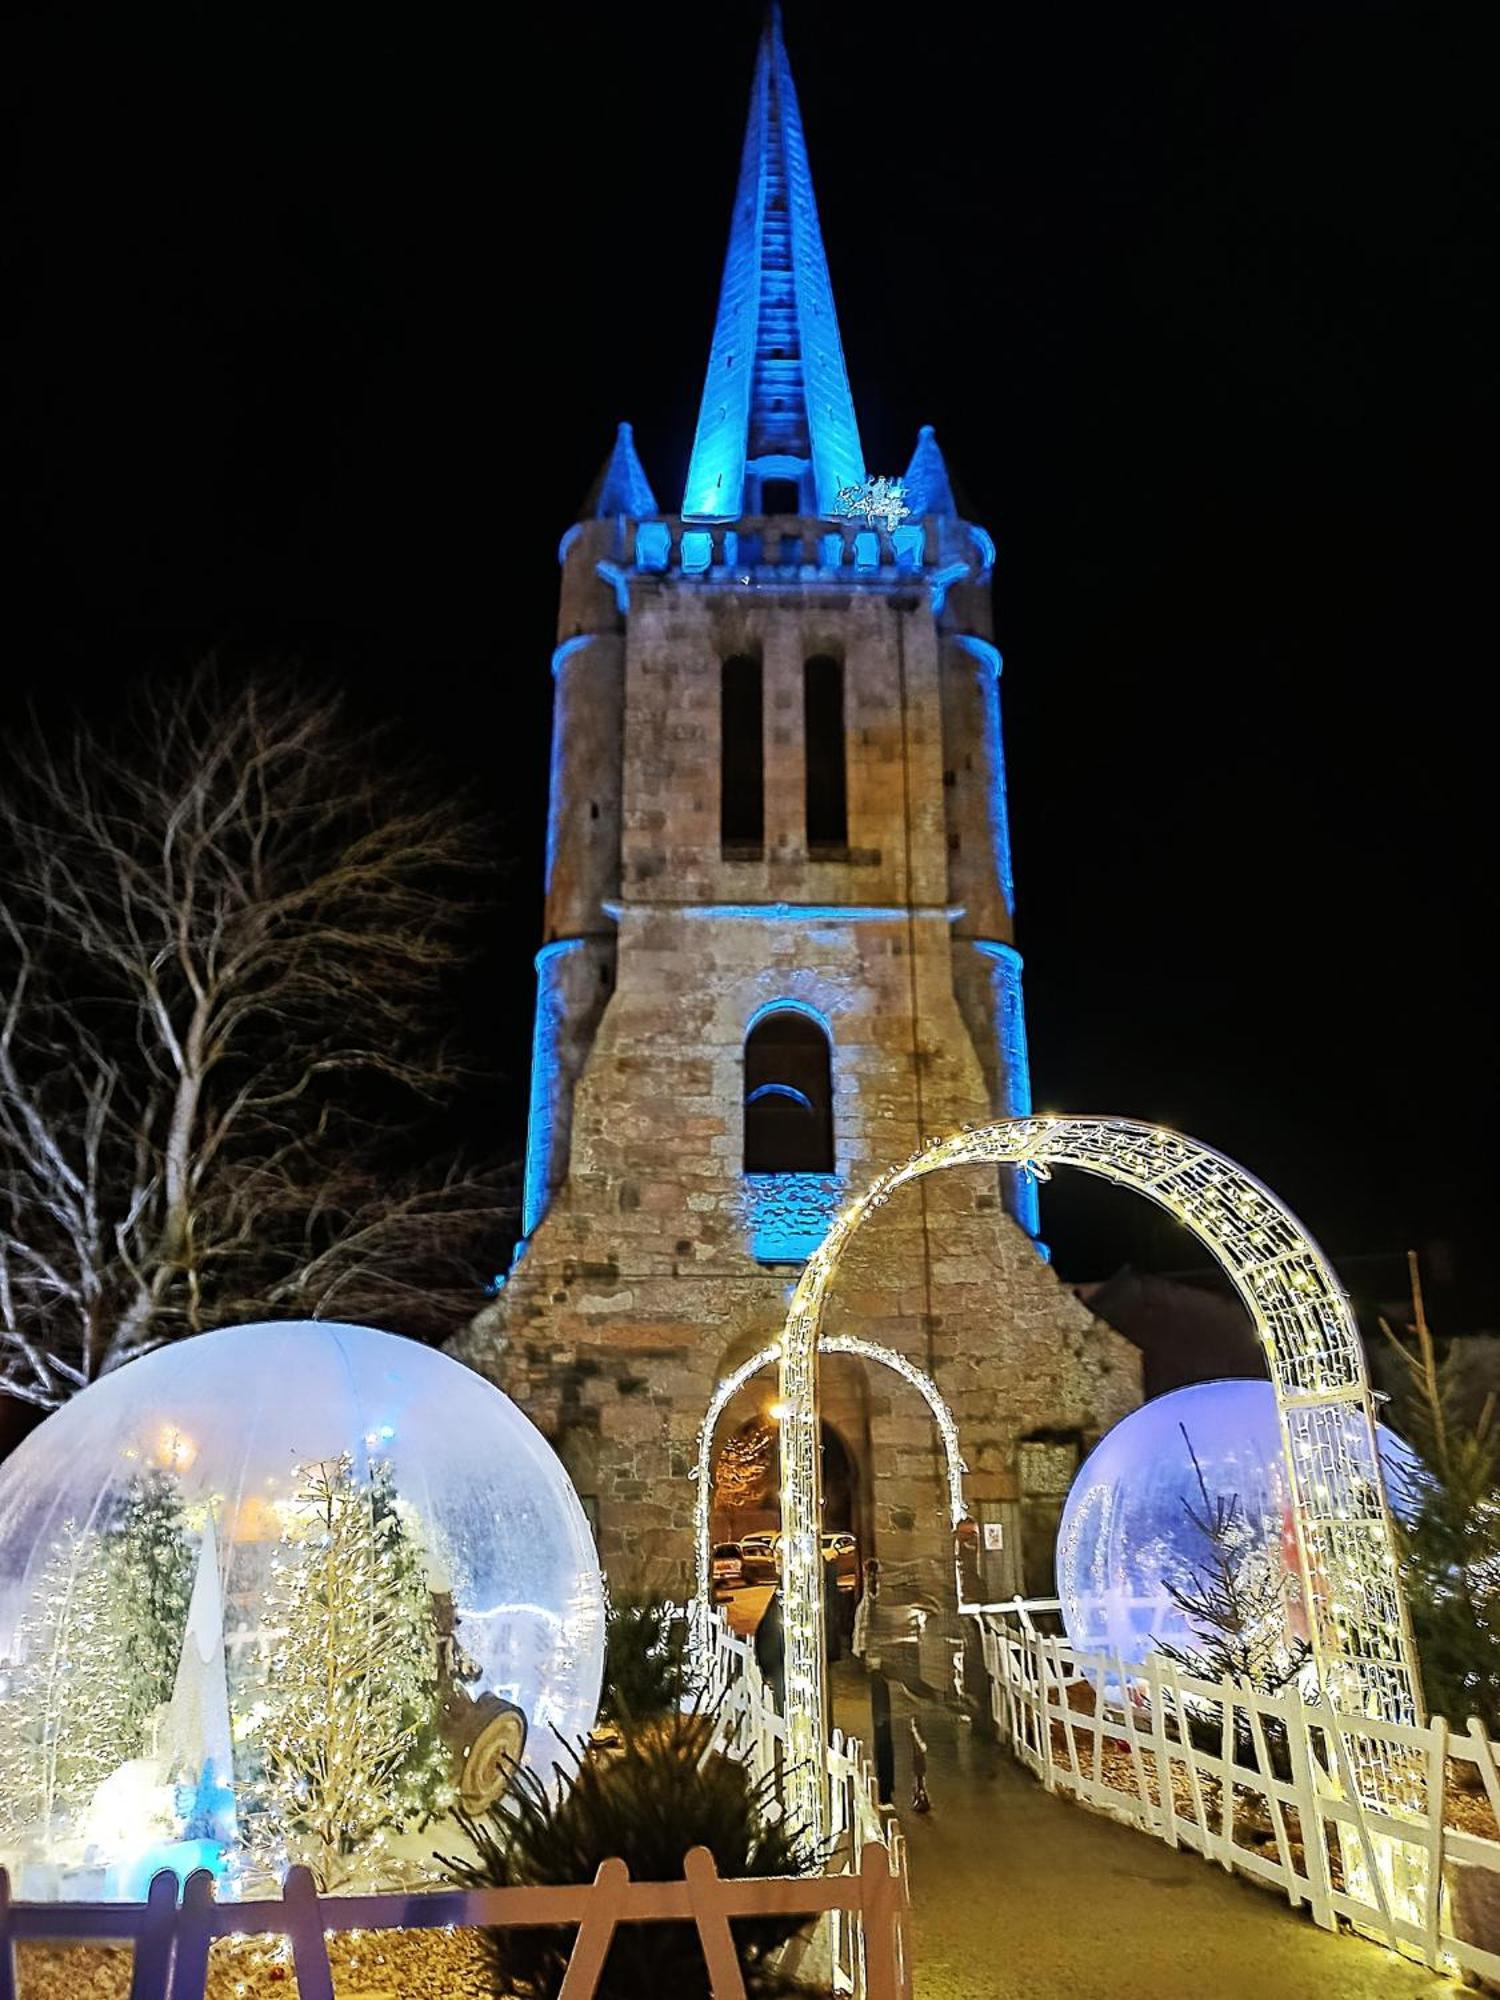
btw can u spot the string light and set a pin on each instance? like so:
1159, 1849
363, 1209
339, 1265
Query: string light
1305, 1322
828, 1343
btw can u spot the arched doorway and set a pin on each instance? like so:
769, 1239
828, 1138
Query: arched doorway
743, 1512
853, 1449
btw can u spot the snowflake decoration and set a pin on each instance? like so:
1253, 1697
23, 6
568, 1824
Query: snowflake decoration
878, 502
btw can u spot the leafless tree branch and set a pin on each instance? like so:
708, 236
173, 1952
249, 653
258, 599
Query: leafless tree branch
226, 933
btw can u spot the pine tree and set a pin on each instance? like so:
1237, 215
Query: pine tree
347, 1715
1236, 1598
1448, 1535
152, 1558
68, 1718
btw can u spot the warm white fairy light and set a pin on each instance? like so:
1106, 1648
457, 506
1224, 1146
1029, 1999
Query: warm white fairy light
1361, 1633
828, 1343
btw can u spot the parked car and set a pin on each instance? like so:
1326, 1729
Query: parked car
762, 1556
728, 1567
842, 1551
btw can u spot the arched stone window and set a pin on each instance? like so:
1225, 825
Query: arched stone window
788, 1095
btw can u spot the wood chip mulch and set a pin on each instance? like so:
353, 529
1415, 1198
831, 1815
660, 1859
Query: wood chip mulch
367, 1965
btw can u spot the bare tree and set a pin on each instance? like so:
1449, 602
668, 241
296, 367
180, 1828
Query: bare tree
226, 933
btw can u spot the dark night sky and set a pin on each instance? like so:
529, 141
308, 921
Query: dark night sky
318, 329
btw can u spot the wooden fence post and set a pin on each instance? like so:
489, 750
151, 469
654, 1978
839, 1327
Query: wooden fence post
1162, 1751
1305, 1768
152, 1958
596, 1932
304, 1926
706, 1898
7, 1942
1226, 1765
194, 1936
878, 1890
1437, 1835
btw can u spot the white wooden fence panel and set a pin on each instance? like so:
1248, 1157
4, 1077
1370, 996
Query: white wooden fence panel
1346, 1844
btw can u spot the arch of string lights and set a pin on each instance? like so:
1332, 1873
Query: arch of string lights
1360, 1631
828, 1343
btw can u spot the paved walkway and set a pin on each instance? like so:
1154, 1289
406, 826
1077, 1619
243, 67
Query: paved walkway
1018, 1895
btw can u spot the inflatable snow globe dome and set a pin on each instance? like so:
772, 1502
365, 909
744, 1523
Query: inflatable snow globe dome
1128, 1535
282, 1593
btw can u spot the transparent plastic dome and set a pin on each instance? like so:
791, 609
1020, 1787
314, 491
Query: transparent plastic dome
282, 1593
1126, 1533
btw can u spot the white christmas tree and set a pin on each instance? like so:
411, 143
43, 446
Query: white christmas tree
346, 1717
70, 1714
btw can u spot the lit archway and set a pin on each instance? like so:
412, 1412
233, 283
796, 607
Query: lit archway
831, 1343
1361, 1633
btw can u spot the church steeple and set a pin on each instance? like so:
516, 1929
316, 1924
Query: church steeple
776, 402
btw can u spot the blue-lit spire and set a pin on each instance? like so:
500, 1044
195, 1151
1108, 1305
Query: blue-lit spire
928, 488
622, 486
776, 403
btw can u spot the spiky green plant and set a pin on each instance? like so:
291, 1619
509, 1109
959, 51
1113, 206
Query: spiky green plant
648, 1668
664, 1791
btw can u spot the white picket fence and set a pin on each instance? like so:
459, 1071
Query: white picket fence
1293, 1820
863, 1947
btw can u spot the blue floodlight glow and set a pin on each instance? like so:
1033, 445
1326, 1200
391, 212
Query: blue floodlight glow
867, 549
653, 545
1009, 1009
786, 1090
910, 544
988, 657
546, 1061
765, 399
563, 653
619, 581
788, 1215
806, 913
942, 581
787, 1005
697, 550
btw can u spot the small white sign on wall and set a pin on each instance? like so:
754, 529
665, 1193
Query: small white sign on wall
994, 1535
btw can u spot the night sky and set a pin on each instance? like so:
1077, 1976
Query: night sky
318, 329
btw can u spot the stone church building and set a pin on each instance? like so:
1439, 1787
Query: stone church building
779, 953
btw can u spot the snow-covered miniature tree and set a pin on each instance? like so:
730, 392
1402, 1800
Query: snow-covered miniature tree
346, 1720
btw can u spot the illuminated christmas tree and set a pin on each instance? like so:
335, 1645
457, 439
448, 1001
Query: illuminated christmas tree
69, 1716
95, 1656
346, 1719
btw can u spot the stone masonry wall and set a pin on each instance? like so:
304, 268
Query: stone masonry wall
639, 1289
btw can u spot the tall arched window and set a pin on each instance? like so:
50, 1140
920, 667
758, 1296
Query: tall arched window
788, 1095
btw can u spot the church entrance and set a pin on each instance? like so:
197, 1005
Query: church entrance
746, 1518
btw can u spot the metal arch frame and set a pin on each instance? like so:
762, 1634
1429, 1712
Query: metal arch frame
828, 1343
1360, 1629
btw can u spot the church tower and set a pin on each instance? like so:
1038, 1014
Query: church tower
779, 954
